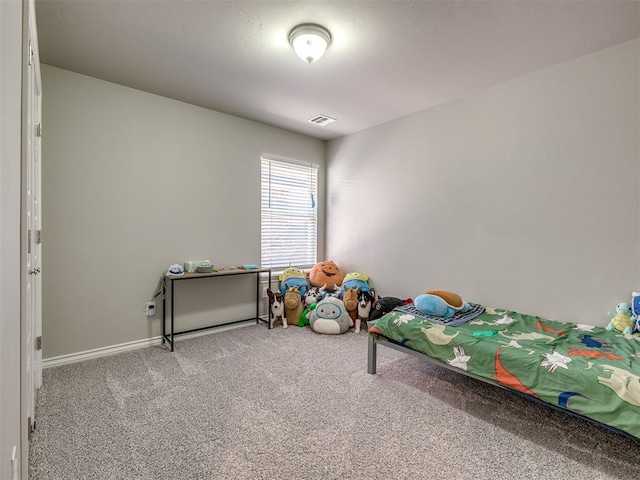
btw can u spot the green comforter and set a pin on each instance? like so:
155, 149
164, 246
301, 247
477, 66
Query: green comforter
582, 368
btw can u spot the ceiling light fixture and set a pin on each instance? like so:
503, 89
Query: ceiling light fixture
309, 41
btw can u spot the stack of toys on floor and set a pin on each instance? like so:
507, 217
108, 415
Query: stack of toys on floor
331, 302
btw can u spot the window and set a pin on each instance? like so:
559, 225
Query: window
289, 213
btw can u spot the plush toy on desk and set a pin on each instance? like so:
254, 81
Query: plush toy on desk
293, 277
276, 303
622, 320
356, 280
330, 317
326, 274
441, 303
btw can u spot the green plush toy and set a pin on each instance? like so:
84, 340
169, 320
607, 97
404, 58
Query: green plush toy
622, 320
304, 316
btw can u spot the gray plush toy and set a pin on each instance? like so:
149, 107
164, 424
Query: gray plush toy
330, 317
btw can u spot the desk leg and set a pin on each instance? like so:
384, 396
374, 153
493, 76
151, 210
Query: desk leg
268, 304
172, 285
164, 307
258, 292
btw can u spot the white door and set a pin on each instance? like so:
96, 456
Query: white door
37, 220
32, 209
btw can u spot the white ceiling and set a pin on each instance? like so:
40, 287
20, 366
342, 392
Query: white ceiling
387, 59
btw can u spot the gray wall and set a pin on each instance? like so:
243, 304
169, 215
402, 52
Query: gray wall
133, 182
524, 195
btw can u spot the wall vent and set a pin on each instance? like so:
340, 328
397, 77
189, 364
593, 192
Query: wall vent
322, 120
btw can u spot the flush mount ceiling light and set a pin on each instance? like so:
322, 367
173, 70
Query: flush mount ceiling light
309, 41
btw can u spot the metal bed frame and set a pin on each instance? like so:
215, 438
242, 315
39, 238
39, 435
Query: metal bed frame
372, 359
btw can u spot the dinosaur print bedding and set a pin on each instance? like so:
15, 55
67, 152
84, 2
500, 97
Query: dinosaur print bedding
581, 368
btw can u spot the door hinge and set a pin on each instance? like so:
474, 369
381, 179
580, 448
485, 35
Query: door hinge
29, 428
30, 54
28, 241
39, 343
38, 236
39, 129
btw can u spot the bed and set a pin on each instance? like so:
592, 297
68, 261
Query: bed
581, 369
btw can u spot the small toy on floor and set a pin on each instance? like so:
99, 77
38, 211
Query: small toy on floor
350, 299
330, 317
293, 306
365, 301
293, 277
355, 280
276, 303
312, 296
326, 274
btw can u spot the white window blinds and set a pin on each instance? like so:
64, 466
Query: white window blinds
289, 213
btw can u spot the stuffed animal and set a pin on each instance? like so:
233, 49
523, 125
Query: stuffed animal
326, 274
453, 300
383, 305
635, 308
293, 305
293, 277
312, 296
622, 320
356, 280
441, 303
330, 317
433, 305
330, 293
276, 303
350, 300
365, 300
304, 316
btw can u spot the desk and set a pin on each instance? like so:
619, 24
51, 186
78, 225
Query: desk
169, 280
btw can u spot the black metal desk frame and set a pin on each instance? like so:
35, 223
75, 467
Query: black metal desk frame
170, 279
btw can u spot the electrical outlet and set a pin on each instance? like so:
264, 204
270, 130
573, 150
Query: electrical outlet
151, 309
264, 292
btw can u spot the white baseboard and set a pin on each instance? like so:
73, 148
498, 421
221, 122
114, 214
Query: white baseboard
99, 352
123, 347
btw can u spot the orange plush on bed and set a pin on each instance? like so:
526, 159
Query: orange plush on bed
453, 299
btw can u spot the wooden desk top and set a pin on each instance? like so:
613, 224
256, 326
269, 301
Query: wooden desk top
236, 271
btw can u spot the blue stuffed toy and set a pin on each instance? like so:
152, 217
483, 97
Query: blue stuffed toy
355, 280
436, 306
635, 308
293, 277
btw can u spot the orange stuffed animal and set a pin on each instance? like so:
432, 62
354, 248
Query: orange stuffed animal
326, 274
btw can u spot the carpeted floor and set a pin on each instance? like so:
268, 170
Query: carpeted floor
253, 403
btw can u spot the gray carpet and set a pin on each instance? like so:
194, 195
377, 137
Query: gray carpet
253, 403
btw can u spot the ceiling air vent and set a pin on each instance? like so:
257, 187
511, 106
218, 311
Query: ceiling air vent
322, 120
